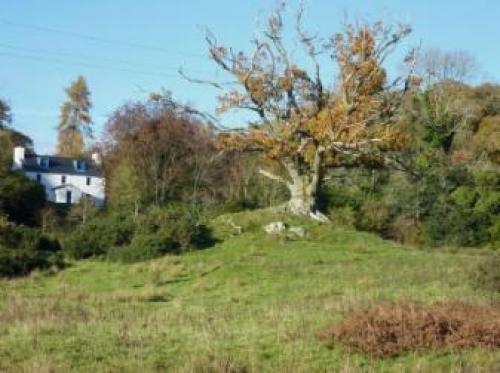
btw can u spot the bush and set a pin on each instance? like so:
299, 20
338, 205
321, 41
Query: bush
158, 232
178, 224
486, 275
332, 197
390, 329
189, 230
467, 216
448, 223
375, 216
405, 230
98, 235
494, 230
21, 199
143, 247
238, 205
343, 216
24, 249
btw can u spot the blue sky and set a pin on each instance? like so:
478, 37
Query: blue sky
128, 48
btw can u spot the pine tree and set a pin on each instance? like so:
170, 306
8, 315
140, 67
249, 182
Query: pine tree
75, 121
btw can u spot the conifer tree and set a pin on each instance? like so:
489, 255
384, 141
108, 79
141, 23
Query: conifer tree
75, 121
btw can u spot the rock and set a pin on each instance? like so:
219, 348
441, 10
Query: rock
299, 232
276, 227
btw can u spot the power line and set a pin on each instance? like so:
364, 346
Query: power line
99, 59
98, 39
91, 65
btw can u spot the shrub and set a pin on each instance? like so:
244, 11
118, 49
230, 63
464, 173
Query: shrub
239, 204
343, 216
494, 230
486, 138
451, 224
390, 329
158, 232
486, 275
98, 235
336, 196
21, 199
405, 230
467, 217
178, 224
24, 249
190, 231
375, 216
143, 247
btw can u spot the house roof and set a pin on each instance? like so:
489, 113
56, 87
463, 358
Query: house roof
60, 165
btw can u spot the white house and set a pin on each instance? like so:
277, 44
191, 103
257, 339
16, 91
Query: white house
65, 180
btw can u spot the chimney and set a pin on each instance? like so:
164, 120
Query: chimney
19, 153
96, 157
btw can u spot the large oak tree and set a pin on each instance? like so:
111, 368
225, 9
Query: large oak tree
304, 125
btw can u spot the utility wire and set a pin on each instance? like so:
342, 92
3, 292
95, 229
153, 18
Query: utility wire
99, 59
99, 39
88, 65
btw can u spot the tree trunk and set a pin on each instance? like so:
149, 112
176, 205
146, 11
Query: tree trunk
301, 202
303, 188
304, 192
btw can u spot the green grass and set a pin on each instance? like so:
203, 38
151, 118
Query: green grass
252, 302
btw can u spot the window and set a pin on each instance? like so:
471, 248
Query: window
43, 162
63, 179
39, 178
80, 165
88, 180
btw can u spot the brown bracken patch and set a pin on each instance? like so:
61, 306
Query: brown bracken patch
389, 329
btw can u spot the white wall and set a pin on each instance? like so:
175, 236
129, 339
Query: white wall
79, 182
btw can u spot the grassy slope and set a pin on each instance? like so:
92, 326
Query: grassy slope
252, 301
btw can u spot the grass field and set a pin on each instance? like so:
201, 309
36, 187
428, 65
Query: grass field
250, 303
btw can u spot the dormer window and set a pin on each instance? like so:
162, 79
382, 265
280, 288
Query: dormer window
43, 162
80, 165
